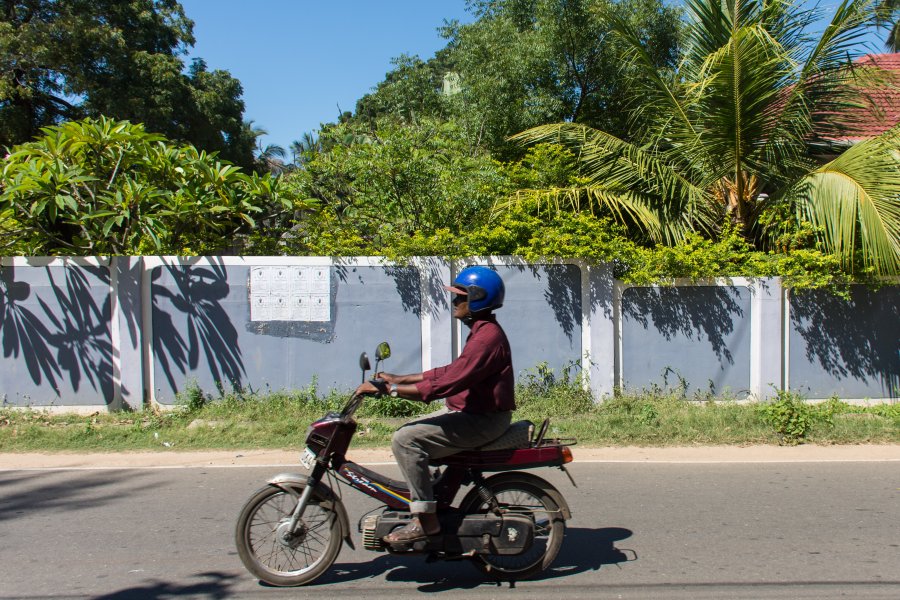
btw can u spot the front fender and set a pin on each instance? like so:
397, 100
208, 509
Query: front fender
294, 484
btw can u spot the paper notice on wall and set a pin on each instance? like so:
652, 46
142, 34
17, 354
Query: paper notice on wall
290, 294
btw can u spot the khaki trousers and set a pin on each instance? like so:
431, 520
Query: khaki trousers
437, 435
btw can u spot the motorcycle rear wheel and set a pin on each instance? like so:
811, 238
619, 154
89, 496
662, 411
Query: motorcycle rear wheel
287, 562
524, 494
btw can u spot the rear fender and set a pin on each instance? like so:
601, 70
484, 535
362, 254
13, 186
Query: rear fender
294, 484
532, 480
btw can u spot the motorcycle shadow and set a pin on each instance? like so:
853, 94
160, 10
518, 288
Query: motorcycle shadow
583, 550
588, 550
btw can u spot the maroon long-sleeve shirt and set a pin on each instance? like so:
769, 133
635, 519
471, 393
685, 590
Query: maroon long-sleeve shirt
481, 379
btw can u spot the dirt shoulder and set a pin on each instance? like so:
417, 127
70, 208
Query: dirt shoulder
289, 459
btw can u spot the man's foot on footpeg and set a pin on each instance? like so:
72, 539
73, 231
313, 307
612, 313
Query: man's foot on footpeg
414, 531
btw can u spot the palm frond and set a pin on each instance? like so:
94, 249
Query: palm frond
623, 172
624, 206
660, 95
834, 89
855, 201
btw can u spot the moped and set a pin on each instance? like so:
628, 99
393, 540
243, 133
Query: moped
510, 525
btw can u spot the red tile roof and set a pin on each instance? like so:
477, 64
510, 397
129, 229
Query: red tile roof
886, 100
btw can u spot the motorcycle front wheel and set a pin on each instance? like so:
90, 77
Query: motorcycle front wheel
279, 557
524, 494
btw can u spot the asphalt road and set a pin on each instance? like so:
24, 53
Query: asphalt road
765, 530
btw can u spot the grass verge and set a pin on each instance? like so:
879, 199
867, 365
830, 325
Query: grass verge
278, 420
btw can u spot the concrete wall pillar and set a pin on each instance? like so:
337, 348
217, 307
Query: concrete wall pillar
127, 331
437, 323
599, 296
767, 338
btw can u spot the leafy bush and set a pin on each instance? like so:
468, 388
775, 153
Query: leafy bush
109, 187
790, 415
192, 398
543, 393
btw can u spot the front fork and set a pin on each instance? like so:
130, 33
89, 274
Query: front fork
311, 483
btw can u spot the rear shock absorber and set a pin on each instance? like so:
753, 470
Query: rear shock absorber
487, 496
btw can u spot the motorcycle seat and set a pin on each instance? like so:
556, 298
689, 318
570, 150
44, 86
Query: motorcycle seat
518, 435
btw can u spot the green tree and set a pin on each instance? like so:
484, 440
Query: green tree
268, 158
569, 60
108, 187
67, 59
412, 89
733, 133
524, 63
305, 148
373, 186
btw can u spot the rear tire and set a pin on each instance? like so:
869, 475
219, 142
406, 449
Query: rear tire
293, 562
524, 494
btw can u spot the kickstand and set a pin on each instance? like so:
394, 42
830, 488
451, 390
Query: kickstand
566, 471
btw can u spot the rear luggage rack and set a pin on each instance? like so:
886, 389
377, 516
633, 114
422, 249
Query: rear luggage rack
540, 441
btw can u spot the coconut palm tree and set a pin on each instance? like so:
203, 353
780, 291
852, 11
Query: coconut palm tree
303, 149
738, 129
268, 158
886, 16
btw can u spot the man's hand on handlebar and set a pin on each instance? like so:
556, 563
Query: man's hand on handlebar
387, 377
373, 387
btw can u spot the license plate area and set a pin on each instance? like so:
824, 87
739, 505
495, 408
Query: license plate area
307, 458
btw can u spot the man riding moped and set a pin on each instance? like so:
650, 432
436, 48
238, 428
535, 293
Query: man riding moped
510, 523
478, 388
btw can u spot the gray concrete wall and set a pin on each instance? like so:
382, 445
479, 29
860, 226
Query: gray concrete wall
202, 330
543, 316
92, 333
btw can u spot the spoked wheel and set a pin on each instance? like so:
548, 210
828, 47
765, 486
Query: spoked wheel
274, 554
525, 495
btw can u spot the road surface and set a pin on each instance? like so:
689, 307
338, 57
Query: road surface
812, 528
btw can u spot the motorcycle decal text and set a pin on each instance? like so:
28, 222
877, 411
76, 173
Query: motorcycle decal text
361, 481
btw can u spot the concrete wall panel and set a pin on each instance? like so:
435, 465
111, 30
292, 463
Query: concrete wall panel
542, 316
55, 333
848, 348
696, 334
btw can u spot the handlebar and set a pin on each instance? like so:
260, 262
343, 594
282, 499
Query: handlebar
381, 384
356, 400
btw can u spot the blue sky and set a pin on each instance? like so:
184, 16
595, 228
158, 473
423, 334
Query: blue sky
298, 60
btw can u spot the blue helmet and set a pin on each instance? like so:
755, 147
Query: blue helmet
483, 286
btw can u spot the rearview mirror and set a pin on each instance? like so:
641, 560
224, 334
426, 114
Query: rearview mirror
364, 362
383, 351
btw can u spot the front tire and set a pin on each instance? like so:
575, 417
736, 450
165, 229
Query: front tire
280, 559
524, 494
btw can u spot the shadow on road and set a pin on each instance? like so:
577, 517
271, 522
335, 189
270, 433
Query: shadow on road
214, 585
588, 550
55, 491
583, 550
